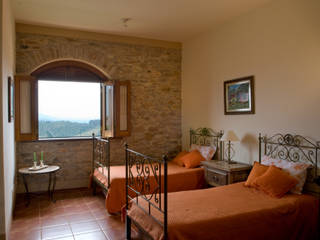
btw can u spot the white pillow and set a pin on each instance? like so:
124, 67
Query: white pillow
297, 170
206, 151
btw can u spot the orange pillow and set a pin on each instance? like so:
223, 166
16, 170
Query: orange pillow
192, 159
177, 159
257, 170
275, 182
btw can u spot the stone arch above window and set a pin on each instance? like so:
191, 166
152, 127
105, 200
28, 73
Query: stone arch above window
69, 70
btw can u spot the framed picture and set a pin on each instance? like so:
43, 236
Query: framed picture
10, 99
239, 96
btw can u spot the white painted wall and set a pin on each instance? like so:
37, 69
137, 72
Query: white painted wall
7, 149
2, 211
279, 44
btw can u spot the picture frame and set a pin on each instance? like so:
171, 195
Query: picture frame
239, 96
10, 99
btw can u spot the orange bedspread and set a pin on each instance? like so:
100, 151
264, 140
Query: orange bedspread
233, 212
179, 179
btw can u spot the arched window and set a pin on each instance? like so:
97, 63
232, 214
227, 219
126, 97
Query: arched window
70, 99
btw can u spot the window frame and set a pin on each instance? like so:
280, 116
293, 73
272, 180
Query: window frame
71, 137
69, 70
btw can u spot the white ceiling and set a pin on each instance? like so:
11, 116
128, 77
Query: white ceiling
173, 20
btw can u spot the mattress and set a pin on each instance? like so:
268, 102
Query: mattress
179, 179
232, 212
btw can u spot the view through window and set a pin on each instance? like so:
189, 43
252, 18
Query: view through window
68, 109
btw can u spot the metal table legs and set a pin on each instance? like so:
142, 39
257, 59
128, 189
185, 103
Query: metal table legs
27, 189
52, 181
49, 186
53, 186
51, 191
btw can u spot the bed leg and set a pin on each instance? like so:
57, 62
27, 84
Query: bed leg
94, 188
128, 228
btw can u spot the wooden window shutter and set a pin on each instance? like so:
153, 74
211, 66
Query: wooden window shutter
122, 108
26, 108
107, 110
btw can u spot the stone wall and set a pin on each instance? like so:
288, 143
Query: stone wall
155, 75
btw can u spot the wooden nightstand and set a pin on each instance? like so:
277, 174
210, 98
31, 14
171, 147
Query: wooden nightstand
219, 173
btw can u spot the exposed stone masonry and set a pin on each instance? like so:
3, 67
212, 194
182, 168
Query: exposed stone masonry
155, 75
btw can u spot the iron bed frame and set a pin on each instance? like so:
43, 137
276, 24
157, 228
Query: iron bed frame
286, 147
147, 168
292, 148
100, 162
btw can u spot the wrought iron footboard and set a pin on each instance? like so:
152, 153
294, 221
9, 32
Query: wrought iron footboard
101, 159
146, 180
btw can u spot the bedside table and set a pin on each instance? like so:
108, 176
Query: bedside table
219, 173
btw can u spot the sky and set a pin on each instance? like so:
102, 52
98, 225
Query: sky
75, 101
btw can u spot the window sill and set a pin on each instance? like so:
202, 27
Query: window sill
63, 139
67, 139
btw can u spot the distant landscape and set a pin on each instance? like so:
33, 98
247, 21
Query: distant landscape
55, 128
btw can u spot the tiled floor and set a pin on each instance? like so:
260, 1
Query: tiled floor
76, 215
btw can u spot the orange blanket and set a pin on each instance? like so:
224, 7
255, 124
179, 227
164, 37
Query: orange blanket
233, 212
179, 179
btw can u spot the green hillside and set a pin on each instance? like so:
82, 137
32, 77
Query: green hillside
62, 129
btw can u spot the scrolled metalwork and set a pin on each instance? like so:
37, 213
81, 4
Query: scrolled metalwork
290, 147
144, 177
99, 149
101, 157
205, 136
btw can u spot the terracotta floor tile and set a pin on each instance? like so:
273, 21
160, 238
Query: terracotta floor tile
52, 211
65, 238
77, 214
80, 217
116, 234
110, 223
53, 221
26, 235
95, 200
100, 213
26, 213
95, 204
97, 208
72, 209
72, 202
86, 192
84, 227
50, 204
100, 235
56, 232
25, 225
33, 204
25, 217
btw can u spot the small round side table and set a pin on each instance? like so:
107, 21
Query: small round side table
51, 170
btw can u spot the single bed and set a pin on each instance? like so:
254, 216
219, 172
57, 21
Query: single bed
112, 179
233, 211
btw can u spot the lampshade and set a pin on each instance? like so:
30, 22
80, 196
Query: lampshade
230, 136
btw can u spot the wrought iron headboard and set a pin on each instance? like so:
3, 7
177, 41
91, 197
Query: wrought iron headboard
146, 177
207, 137
293, 148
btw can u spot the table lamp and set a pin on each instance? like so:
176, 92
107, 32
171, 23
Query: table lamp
229, 137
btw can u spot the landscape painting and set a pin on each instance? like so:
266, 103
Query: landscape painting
239, 96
